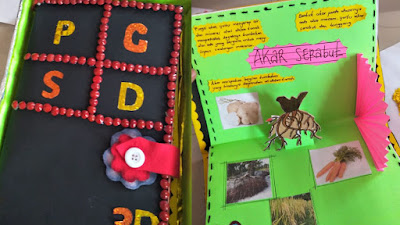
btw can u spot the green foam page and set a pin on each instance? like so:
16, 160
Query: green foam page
366, 200
331, 86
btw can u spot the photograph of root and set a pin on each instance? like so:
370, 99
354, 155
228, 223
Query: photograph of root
294, 210
339, 162
248, 181
239, 110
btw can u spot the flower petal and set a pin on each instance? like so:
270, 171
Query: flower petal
123, 138
107, 157
136, 184
133, 133
116, 167
149, 138
134, 174
118, 164
112, 175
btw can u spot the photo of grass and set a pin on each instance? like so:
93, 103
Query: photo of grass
294, 210
248, 181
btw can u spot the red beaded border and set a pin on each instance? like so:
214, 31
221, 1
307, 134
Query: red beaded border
70, 2
174, 60
122, 3
165, 195
57, 58
100, 56
123, 66
116, 65
108, 4
84, 114
99, 62
169, 114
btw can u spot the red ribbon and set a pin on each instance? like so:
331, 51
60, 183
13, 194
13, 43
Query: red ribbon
160, 158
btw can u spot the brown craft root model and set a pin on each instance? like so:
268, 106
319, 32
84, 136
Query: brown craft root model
292, 123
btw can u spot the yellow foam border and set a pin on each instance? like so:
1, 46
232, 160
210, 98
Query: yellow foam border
200, 139
392, 139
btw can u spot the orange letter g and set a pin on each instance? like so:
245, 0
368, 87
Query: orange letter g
128, 43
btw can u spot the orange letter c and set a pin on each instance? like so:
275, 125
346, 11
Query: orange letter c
128, 43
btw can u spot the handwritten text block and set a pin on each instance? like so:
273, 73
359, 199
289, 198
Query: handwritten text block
290, 55
226, 37
330, 18
247, 82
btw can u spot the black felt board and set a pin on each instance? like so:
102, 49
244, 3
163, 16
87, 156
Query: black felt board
159, 36
52, 173
155, 95
82, 42
31, 85
200, 113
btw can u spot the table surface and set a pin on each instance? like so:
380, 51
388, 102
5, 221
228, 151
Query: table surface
389, 34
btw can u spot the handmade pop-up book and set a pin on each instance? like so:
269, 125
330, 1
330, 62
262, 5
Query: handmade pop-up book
90, 126
290, 105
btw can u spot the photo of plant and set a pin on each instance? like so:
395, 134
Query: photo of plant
294, 210
248, 181
239, 110
339, 162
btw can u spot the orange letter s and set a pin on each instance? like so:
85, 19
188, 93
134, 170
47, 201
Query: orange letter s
51, 84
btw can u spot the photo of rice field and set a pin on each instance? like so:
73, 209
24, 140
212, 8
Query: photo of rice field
248, 181
294, 210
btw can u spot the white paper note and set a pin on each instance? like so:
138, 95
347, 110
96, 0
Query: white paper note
390, 59
9, 11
